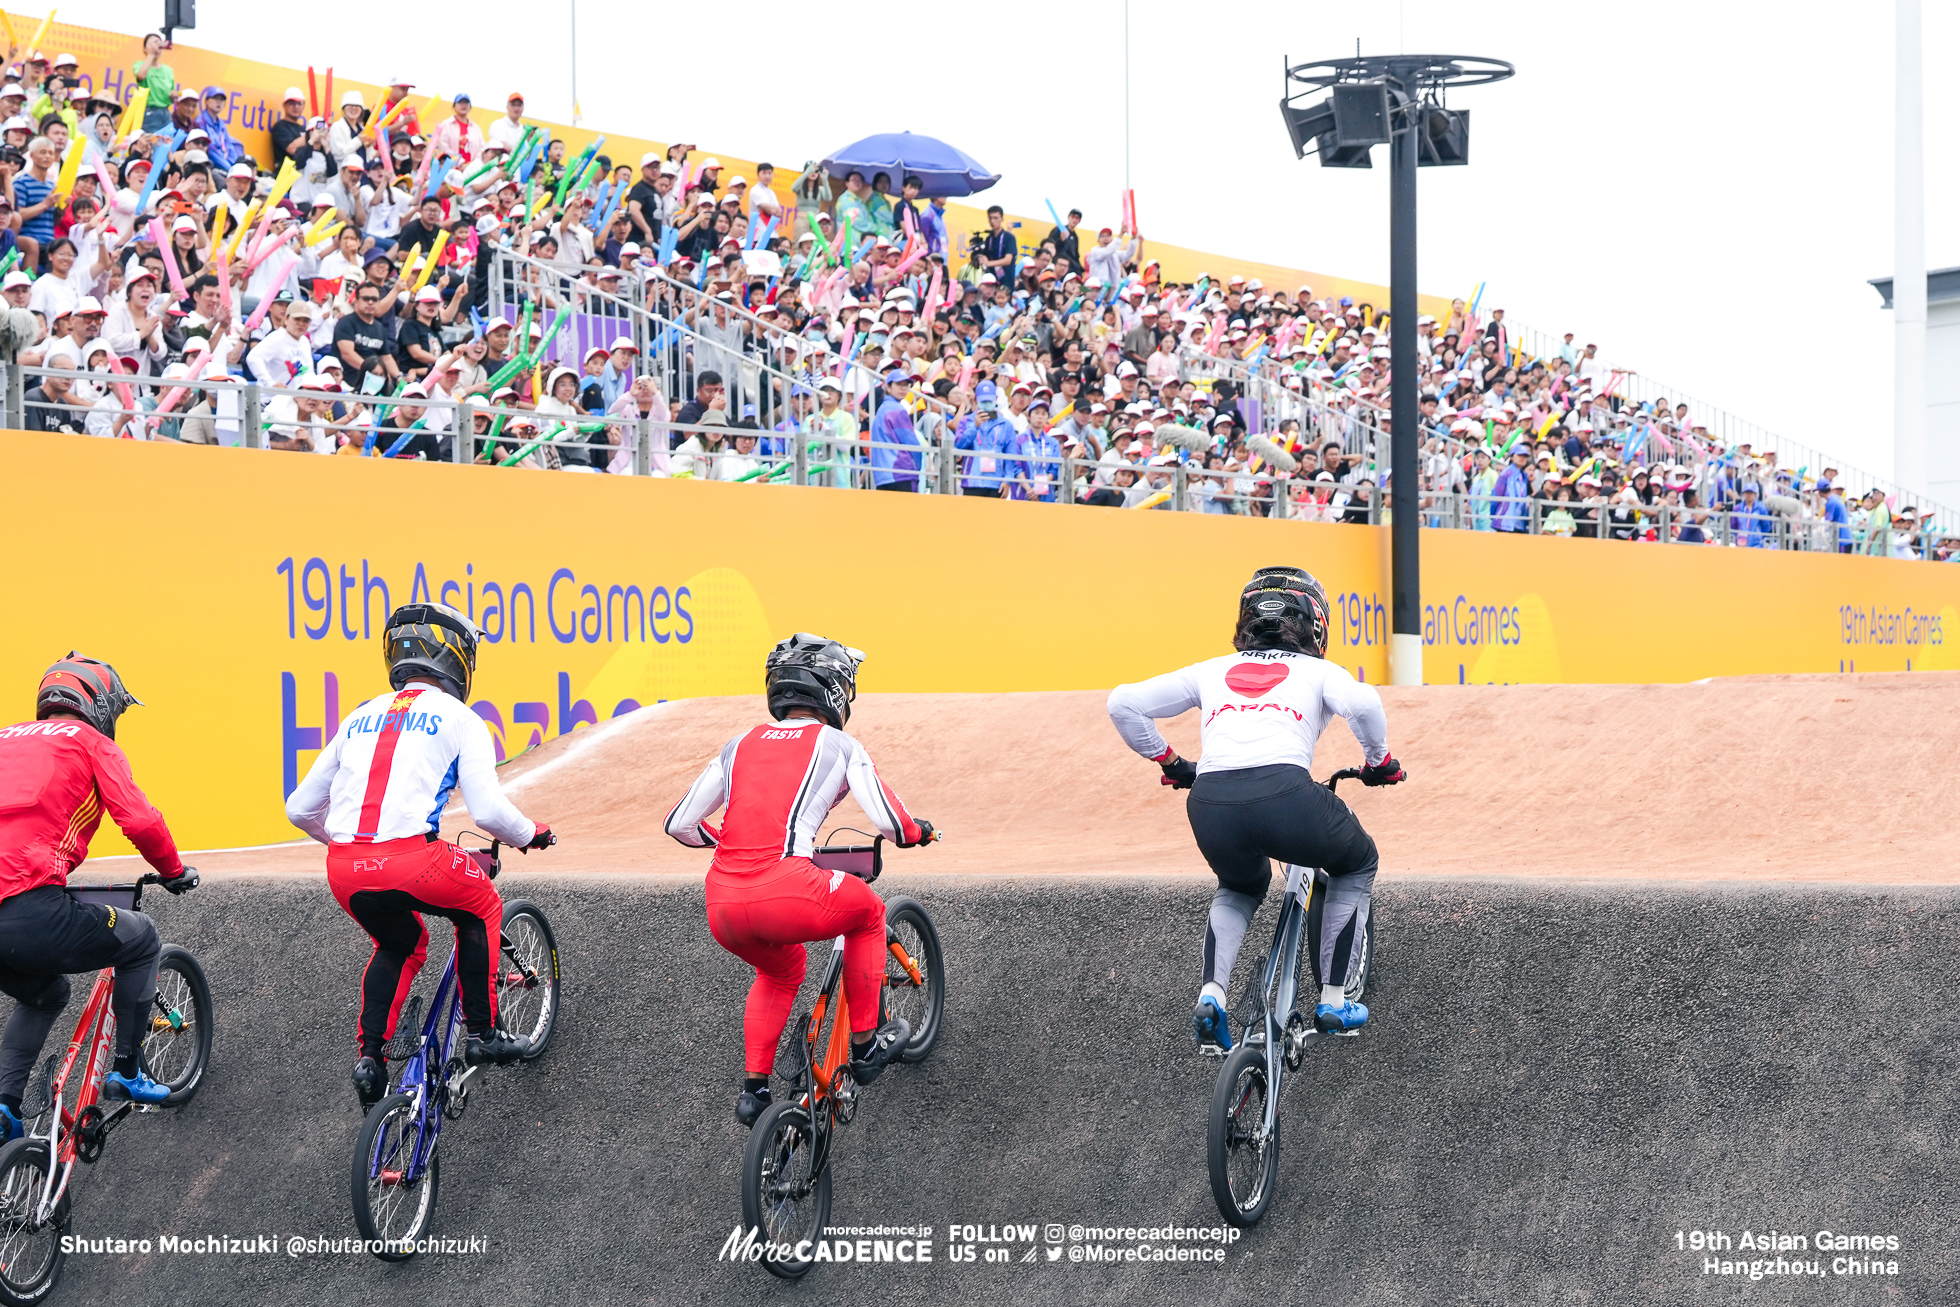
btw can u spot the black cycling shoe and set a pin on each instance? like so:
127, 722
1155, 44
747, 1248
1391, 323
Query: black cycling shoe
870, 1061
750, 1106
370, 1080
496, 1048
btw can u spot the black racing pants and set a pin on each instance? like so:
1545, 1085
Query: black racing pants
44, 937
1244, 818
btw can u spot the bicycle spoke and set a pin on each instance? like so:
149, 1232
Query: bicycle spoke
171, 1041
1247, 1159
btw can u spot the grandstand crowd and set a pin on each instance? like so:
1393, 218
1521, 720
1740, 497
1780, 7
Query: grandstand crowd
843, 315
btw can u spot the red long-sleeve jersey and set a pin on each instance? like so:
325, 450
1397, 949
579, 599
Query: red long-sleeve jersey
56, 780
779, 782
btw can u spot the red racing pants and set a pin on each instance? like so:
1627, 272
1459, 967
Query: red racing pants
385, 887
765, 919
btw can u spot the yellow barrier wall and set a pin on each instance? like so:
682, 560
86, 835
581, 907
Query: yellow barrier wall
241, 593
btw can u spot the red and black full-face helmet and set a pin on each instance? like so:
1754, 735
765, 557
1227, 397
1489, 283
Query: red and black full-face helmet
87, 687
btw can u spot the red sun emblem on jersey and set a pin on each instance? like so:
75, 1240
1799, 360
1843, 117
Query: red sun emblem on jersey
1253, 679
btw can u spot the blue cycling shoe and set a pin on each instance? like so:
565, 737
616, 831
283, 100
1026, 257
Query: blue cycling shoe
138, 1088
1213, 1029
10, 1126
1344, 1018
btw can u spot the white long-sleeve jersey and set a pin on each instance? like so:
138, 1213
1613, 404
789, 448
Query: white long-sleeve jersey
1259, 708
391, 767
779, 781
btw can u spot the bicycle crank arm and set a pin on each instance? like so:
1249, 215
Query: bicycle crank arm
92, 1130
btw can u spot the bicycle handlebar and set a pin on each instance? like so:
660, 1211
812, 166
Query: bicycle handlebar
1344, 774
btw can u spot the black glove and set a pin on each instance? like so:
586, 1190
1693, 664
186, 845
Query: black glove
541, 839
926, 833
182, 883
1180, 773
1386, 772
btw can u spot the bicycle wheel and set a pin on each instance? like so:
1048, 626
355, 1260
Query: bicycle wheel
922, 1001
781, 1200
177, 1046
385, 1207
529, 988
31, 1256
1244, 1160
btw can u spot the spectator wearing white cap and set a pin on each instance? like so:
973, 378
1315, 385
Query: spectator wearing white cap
285, 354
344, 139
289, 129
303, 424
235, 197
350, 193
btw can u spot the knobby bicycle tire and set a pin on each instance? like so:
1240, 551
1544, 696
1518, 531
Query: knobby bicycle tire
783, 1138
529, 931
1238, 1109
427, 1189
23, 1179
176, 1049
910, 919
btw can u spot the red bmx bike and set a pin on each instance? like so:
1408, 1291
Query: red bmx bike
36, 1170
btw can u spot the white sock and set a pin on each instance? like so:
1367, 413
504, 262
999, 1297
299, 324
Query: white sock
1333, 995
1213, 990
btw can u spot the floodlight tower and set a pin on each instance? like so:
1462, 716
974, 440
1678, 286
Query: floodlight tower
1399, 101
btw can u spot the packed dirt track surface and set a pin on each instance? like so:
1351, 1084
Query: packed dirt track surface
1844, 778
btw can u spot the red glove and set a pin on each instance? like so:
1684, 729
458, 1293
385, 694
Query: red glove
542, 839
1386, 772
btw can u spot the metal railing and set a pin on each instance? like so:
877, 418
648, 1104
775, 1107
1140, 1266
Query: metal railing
673, 351
805, 452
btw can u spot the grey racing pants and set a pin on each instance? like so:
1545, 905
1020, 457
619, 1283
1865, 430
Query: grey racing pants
1244, 818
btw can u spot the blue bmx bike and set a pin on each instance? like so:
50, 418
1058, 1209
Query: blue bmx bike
396, 1166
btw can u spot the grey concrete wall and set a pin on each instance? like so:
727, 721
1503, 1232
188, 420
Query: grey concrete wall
1559, 1077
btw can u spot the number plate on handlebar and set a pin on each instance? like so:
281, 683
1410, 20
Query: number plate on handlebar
865, 861
109, 896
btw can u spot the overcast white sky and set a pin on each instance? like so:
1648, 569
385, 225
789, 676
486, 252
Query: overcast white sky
1702, 188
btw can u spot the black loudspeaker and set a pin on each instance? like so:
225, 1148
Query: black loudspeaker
1444, 140
1305, 125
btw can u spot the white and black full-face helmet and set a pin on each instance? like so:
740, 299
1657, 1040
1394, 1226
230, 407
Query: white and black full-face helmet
432, 640
1282, 608
809, 671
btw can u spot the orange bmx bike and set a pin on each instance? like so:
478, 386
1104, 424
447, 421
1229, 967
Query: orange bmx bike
786, 1171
